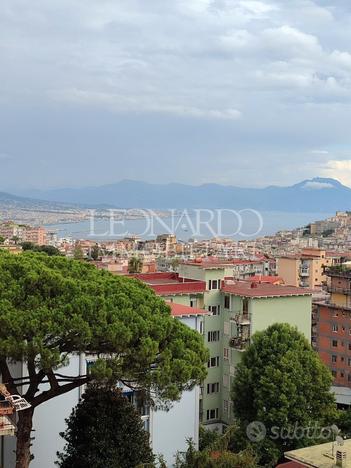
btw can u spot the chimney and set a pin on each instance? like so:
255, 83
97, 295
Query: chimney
341, 458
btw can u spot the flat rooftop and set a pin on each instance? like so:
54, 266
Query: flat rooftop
256, 289
319, 456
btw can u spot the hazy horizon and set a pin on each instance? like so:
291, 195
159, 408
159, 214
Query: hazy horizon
78, 187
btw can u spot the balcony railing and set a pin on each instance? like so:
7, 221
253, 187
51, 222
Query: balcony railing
304, 272
241, 319
339, 271
239, 343
334, 289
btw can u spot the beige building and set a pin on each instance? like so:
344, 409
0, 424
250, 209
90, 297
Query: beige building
306, 269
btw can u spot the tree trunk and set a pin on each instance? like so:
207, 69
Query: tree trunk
24, 429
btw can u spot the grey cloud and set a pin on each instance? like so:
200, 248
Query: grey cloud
206, 83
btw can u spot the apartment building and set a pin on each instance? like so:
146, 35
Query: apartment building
331, 331
238, 308
36, 235
306, 269
248, 307
257, 307
175, 289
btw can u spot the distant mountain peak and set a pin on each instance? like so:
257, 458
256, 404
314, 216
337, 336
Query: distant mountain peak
318, 194
320, 183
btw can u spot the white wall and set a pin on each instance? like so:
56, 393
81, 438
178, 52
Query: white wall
171, 429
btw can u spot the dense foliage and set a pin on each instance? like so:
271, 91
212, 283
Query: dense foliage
52, 307
135, 265
282, 383
216, 454
104, 431
48, 249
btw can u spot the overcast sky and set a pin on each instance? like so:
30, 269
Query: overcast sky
240, 92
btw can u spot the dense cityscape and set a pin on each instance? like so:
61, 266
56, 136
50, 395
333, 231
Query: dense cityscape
226, 290
175, 234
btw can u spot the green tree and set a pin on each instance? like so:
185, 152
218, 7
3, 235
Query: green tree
282, 383
207, 438
215, 456
52, 307
15, 239
344, 422
48, 249
104, 430
78, 253
175, 263
135, 265
95, 252
2, 239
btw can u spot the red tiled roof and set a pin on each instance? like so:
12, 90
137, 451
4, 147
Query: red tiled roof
267, 279
166, 284
254, 289
179, 310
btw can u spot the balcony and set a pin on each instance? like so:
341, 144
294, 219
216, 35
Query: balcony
238, 343
242, 340
241, 319
339, 271
333, 289
304, 271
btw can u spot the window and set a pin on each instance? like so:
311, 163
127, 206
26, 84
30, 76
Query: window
333, 373
335, 343
226, 328
245, 306
214, 284
212, 388
349, 377
225, 407
213, 362
214, 309
334, 358
201, 327
342, 375
225, 380
349, 362
335, 327
213, 336
212, 414
226, 353
349, 346
192, 302
227, 302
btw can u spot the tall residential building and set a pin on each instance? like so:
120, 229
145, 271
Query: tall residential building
238, 308
36, 235
332, 331
237, 312
306, 269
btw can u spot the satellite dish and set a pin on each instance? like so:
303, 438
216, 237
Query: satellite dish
339, 440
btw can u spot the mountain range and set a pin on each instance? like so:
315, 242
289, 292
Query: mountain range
311, 195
